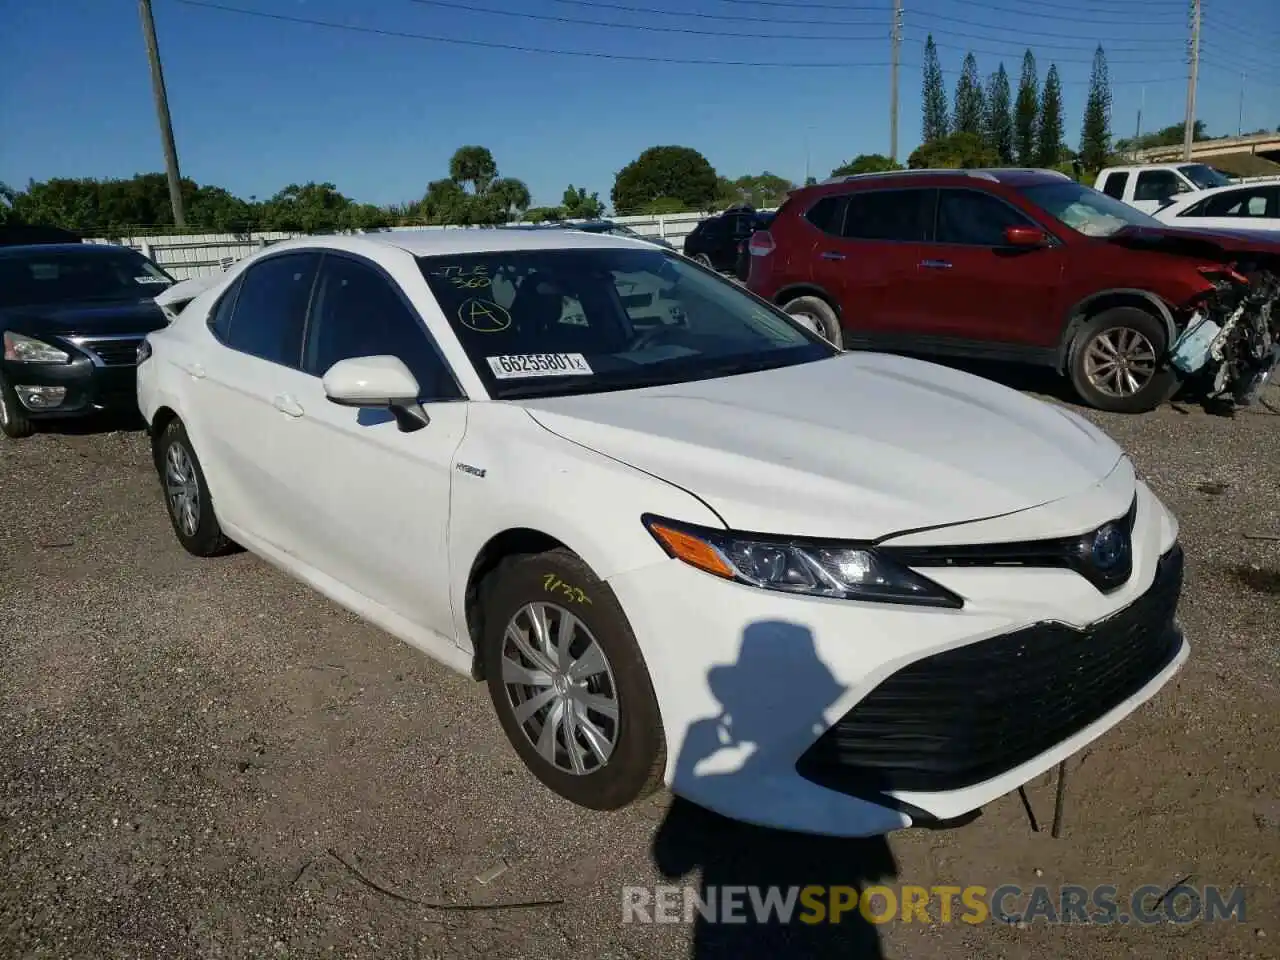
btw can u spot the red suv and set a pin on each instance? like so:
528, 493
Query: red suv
1023, 265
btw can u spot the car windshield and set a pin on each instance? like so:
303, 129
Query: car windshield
1204, 176
552, 322
41, 277
1085, 210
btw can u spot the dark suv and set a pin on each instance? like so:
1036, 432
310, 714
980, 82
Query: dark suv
720, 242
1023, 265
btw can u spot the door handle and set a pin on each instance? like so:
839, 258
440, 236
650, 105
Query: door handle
935, 264
287, 405
832, 255
194, 370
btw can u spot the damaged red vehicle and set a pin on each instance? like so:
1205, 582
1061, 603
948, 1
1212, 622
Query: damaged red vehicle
1027, 266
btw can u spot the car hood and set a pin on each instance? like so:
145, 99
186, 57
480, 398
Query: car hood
860, 446
1213, 243
93, 318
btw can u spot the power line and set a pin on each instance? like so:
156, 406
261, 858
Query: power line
727, 17
1095, 39
1044, 33
1033, 48
520, 48
646, 27
1074, 18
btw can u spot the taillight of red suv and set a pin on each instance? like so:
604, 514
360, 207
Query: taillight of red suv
761, 244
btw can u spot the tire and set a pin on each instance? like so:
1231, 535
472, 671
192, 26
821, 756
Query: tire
199, 531
703, 260
1116, 327
14, 422
820, 314
559, 583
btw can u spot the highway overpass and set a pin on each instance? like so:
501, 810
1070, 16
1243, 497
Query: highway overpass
1258, 153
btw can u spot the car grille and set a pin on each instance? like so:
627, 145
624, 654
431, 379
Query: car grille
963, 716
114, 352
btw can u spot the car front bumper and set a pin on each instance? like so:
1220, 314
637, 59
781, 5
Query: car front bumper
89, 388
855, 719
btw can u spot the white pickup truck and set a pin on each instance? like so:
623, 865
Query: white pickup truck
1150, 186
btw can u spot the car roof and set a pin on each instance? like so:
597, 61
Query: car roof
21, 249
462, 240
1010, 176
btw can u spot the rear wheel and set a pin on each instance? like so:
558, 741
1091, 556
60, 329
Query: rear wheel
14, 422
703, 260
817, 315
568, 681
1118, 362
186, 495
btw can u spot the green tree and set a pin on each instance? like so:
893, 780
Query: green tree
665, 172
761, 190
970, 109
958, 151
1025, 112
543, 214
446, 202
660, 206
579, 205
309, 208
934, 96
866, 163
474, 192
999, 119
473, 166
1049, 128
1166, 137
7, 213
1095, 133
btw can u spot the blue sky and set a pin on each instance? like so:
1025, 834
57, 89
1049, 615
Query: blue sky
259, 103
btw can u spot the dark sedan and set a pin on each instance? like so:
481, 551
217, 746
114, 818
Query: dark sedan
71, 318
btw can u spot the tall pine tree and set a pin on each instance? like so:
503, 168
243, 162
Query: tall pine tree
936, 124
1049, 122
999, 122
1095, 135
1025, 112
970, 110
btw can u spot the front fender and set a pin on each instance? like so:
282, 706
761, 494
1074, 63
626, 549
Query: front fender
534, 479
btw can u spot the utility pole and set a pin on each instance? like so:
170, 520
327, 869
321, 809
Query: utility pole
1240, 123
1137, 135
162, 113
1193, 75
895, 46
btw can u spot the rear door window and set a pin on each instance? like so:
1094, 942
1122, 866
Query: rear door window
271, 310
1157, 185
901, 215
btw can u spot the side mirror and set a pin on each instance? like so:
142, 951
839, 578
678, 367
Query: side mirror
381, 383
1025, 237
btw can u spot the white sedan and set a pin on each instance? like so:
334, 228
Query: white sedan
832, 592
1241, 206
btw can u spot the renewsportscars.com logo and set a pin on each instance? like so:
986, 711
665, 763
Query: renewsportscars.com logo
1007, 903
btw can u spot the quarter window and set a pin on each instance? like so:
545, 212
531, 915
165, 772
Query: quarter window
271, 309
358, 313
1114, 185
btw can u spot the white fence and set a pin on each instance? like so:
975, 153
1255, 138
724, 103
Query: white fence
194, 255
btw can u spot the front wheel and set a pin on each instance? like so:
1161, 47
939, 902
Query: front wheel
568, 681
14, 422
1118, 363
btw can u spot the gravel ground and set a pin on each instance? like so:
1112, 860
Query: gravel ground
207, 759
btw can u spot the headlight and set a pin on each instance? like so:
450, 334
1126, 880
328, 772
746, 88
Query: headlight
835, 570
144, 352
29, 350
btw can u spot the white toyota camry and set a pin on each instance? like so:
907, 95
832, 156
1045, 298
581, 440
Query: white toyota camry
680, 537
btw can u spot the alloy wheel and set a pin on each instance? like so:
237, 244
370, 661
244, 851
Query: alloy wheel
1120, 362
561, 688
182, 488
